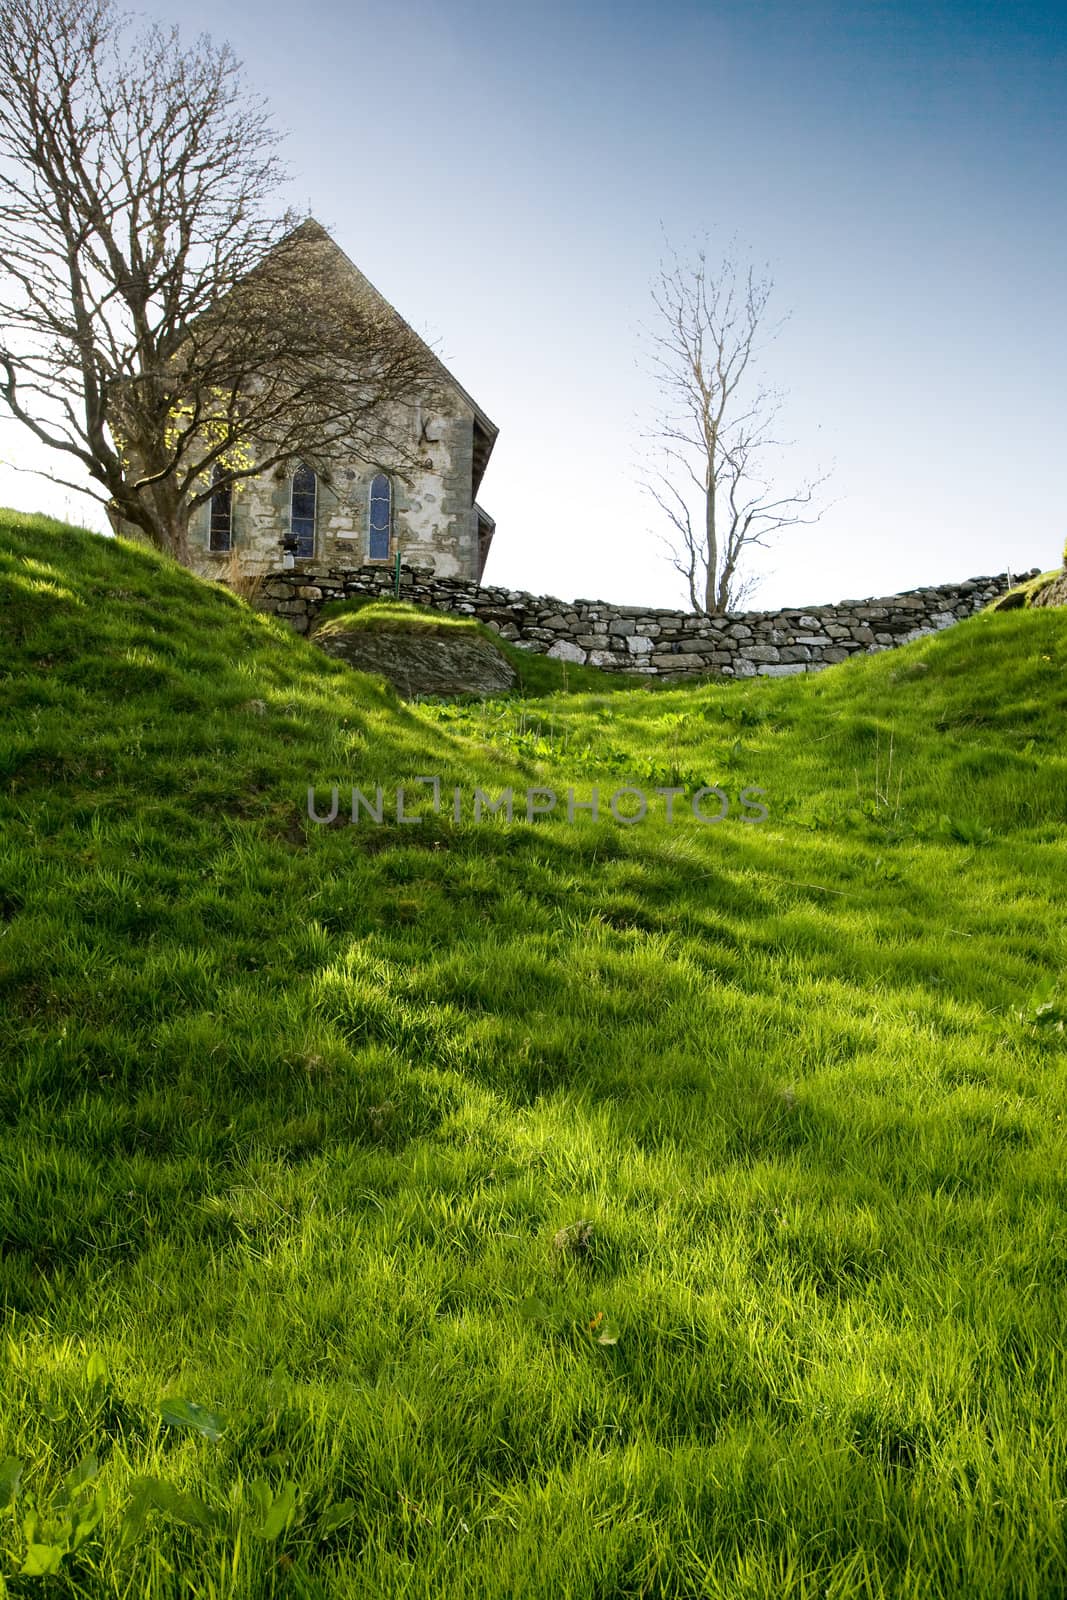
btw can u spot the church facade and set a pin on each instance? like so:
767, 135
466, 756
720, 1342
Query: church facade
341, 514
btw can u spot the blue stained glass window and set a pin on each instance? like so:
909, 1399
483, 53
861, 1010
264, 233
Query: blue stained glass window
381, 508
220, 524
302, 519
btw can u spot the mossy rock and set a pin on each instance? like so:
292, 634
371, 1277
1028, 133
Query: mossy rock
419, 662
1052, 594
1044, 589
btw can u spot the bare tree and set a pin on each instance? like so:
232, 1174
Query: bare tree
162, 325
715, 428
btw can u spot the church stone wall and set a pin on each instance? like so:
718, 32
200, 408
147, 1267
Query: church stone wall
433, 517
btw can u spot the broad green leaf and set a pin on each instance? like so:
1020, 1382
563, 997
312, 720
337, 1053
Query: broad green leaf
185, 1508
133, 1518
180, 1413
10, 1473
42, 1559
83, 1473
261, 1495
155, 1494
277, 1519
87, 1522
336, 1516
95, 1369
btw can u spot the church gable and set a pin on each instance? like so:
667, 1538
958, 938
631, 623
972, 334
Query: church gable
340, 512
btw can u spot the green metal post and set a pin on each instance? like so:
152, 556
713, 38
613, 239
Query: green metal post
396, 585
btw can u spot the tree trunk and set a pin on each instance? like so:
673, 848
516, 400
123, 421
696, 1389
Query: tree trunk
178, 539
158, 515
723, 597
170, 519
711, 542
171, 533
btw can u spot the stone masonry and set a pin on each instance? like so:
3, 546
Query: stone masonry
440, 433
749, 644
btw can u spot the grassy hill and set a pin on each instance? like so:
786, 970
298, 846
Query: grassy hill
481, 1210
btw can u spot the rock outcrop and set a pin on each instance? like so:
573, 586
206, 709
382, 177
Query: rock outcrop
1053, 594
417, 662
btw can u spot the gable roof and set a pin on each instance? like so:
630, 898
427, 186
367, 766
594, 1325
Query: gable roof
314, 231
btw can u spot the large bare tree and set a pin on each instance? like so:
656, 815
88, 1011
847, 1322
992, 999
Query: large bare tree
713, 435
164, 326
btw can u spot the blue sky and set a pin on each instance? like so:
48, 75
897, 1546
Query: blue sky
507, 175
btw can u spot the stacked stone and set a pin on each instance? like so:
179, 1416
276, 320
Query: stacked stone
771, 644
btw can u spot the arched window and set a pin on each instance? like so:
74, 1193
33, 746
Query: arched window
220, 523
302, 511
381, 517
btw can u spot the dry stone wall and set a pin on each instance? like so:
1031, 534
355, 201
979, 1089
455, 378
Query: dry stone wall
748, 644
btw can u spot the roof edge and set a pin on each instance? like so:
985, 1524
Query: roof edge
313, 228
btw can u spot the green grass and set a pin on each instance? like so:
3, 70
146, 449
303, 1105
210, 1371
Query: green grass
305, 1126
389, 614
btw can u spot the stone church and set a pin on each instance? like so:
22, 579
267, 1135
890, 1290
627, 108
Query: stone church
352, 515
